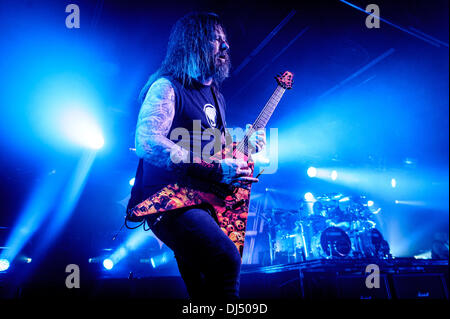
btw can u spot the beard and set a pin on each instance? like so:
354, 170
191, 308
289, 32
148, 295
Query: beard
221, 67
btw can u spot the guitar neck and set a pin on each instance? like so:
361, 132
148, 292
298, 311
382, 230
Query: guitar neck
269, 108
262, 119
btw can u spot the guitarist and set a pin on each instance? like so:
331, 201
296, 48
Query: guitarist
186, 88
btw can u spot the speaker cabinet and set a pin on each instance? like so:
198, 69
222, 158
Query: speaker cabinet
279, 285
354, 287
322, 285
419, 286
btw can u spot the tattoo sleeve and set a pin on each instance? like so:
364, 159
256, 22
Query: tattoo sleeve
152, 129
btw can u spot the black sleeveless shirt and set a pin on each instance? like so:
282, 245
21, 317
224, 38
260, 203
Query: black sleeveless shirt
198, 102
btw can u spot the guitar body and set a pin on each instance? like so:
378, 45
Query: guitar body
230, 204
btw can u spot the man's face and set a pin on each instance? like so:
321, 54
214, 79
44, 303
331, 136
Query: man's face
220, 47
220, 53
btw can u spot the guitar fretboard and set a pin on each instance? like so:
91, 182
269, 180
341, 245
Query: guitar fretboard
267, 111
263, 118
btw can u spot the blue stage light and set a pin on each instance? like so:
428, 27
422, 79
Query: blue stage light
108, 264
4, 264
312, 172
67, 111
133, 242
131, 182
334, 175
68, 198
152, 261
80, 127
32, 216
393, 183
309, 197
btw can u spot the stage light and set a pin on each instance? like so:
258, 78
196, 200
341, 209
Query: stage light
97, 142
4, 264
108, 264
26, 260
334, 175
131, 182
424, 255
161, 259
312, 172
133, 242
81, 128
370, 203
68, 200
32, 216
344, 199
411, 202
393, 183
309, 197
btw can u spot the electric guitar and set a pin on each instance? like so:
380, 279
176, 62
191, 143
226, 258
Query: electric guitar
229, 203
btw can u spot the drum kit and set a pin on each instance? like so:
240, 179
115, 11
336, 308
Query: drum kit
330, 226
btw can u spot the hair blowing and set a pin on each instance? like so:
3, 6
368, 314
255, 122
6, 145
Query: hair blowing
188, 56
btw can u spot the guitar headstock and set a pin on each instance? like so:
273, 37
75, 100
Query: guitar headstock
285, 80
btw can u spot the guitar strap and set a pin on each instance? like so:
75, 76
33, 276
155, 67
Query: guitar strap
219, 107
136, 191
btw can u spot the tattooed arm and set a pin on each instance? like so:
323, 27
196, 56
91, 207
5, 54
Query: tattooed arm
154, 122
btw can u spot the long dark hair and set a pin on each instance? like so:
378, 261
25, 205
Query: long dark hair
188, 56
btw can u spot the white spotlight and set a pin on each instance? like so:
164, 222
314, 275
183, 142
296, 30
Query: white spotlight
312, 172
96, 142
334, 175
370, 203
108, 264
131, 182
4, 264
393, 183
309, 197
79, 126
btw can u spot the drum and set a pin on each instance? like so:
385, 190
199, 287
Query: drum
371, 243
352, 208
323, 205
332, 242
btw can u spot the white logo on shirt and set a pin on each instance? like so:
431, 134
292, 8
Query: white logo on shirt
211, 114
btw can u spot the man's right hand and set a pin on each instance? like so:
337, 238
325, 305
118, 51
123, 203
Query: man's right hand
236, 171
